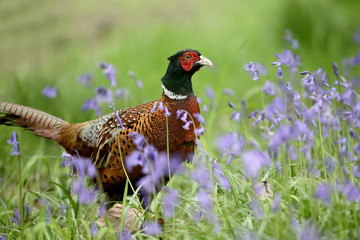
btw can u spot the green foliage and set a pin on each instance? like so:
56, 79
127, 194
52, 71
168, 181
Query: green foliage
49, 43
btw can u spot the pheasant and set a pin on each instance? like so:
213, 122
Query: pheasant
101, 138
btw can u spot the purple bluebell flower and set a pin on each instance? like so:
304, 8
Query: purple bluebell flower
103, 95
276, 202
49, 92
153, 228
199, 131
89, 104
291, 40
235, 116
309, 232
261, 68
132, 74
85, 79
109, 71
323, 192
84, 167
256, 208
14, 142
204, 200
171, 201
118, 92
205, 108
154, 107
139, 84
134, 159
201, 175
94, 229
335, 68
356, 36
251, 69
269, 88
161, 106
85, 195
231, 105
228, 91
288, 58
220, 176
253, 161
199, 118
167, 113
184, 117
187, 125
67, 160
231, 144
209, 92
17, 216
279, 72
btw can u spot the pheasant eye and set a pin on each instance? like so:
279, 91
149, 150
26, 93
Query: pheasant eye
187, 57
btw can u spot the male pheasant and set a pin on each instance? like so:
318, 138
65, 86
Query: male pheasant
100, 139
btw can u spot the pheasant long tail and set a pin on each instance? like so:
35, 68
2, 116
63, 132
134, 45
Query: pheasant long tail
41, 123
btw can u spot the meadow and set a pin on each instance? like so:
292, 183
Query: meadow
279, 155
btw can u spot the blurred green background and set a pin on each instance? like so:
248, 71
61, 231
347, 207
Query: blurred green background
52, 42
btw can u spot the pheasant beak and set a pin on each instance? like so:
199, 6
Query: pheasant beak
204, 61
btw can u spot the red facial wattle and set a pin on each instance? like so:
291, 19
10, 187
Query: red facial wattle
187, 60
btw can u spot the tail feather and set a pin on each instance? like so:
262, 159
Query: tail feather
41, 123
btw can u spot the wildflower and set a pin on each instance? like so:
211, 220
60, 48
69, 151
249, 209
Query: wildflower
139, 84
118, 92
171, 200
103, 95
94, 228
269, 88
161, 106
230, 144
335, 68
13, 141
279, 72
276, 202
204, 200
199, 118
85, 196
205, 108
167, 113
154, 107
256, 208
201, 175
109, 71
287, 58
220, 176
261, 68
17, 216
251, 69
187, 125
323, 192
67, 159
290, 40
209, 92
199, 131
228, 91
132, 74
85, 79
89, 104
253, 161
309, 232
152, 228
49, 92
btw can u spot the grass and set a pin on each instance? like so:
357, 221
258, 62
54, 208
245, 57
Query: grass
139, 37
